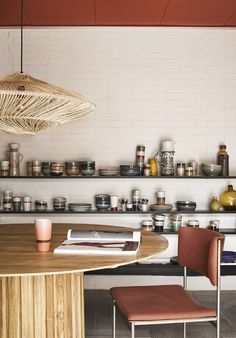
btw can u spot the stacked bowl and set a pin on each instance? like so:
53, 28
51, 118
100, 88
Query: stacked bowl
59, 203
129, 170
102, 201
56, 169
108, 172
79, 207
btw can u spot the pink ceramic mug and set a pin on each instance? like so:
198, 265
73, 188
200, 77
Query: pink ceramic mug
43, 231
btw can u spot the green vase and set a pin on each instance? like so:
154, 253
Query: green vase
215, 204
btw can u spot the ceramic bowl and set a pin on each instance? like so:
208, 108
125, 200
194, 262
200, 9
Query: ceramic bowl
210, 169
161, 208
129, 170
80, 207
102, 201
72, 168
87, 168
41, 205
56, 169
186, 205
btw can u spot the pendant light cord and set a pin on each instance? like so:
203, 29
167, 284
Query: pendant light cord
21, 36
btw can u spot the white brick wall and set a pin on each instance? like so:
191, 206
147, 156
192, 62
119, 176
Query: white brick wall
148, 84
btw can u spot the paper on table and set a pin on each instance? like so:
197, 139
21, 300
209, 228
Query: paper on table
100, 242
103, 235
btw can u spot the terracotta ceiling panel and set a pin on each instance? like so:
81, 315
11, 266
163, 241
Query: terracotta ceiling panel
231, 21
198, 12
10, 13
61, 13
129, 12
120, 12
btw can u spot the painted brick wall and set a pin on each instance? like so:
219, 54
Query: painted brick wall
149, 84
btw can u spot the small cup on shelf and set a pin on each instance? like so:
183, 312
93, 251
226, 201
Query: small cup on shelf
46, 168
161, 197
180, 169
72, 168
87, 168
41, 205
27, 203
16, 203
36, 168
59, 203
5, 168
56, 169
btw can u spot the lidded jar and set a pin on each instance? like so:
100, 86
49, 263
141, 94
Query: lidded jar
228, 198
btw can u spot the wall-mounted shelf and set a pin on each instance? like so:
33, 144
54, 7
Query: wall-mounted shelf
109, 212
116, 177
154, 269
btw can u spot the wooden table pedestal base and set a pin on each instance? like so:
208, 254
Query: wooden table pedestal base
42, 306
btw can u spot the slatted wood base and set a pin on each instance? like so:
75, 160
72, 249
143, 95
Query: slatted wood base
49, 306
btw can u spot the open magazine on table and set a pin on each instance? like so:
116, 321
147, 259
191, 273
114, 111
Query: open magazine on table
100, 242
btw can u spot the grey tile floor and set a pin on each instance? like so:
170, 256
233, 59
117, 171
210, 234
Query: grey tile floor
98, 318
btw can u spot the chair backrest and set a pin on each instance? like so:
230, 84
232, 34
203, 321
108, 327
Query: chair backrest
197, 249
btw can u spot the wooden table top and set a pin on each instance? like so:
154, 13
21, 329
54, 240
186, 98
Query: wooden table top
18, 255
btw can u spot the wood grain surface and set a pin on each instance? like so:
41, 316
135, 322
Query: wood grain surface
18, 255
42, 294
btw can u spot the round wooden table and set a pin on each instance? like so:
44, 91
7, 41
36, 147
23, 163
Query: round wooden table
42, 294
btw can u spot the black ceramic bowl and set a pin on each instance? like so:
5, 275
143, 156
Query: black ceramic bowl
129, 170
87, 168
102, 201
186, 205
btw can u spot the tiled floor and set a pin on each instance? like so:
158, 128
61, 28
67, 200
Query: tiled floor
98, 311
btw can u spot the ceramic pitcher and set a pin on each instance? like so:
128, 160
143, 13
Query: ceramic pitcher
165, 158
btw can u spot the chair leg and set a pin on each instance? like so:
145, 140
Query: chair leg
185, 327
132, 330
218, 328
114, 321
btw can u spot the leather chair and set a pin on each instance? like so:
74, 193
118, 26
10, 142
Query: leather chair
199, 249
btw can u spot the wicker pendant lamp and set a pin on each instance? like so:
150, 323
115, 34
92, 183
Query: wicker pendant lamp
29, 106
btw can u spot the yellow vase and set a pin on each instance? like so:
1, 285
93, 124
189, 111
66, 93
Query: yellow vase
228, 199
215, 204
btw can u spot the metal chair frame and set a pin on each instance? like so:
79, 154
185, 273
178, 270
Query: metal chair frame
213, 320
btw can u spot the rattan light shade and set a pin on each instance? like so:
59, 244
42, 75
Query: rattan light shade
29, 106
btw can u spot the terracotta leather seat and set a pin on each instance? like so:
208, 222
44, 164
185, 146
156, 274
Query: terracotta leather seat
158, 303
198, 249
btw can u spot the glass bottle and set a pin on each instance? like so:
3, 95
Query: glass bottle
215, 204
228, 198
223, 160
